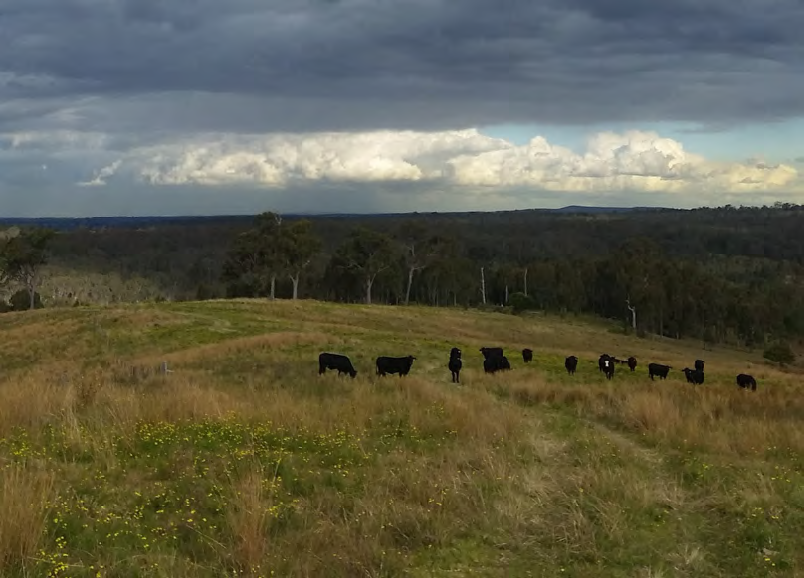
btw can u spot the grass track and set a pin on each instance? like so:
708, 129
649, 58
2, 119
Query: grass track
244, 461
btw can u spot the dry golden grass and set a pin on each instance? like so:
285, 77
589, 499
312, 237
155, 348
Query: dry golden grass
244, 460
249, 520
25, 494
724, 420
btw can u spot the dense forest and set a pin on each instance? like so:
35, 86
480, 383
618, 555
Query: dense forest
724, 274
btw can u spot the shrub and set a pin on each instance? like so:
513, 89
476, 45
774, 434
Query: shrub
521, 302
780, 352
21, 300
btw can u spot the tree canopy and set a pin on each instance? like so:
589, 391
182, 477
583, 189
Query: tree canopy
22, 257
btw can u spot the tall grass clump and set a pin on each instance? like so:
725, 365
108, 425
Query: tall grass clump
25, 493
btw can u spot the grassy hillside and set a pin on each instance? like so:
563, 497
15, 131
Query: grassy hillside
244, 462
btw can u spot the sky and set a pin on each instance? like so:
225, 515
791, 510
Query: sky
203, 107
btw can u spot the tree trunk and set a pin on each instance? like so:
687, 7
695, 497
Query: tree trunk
273, 287
410, 283
633, 313
506, 294
525, 281
32, 293
369, 283
483, 285
295, 281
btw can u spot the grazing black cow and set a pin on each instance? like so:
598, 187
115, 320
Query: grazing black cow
496, 363
693, 375
455, 364
335, 361
527, 355
745, 381
491, 352
657, 369
400, 365
571, 363
601, 363
608, 367
632, 363
699, 365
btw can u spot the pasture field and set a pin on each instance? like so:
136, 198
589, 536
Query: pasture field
243, 461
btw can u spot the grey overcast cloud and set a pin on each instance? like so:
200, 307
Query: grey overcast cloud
155, 107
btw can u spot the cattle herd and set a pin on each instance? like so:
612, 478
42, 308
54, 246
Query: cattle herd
494, 360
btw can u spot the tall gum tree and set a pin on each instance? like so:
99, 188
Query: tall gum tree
297, 248
367, 253
420, 249
255, 255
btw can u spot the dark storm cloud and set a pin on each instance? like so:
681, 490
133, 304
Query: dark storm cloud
99, 100
140, 200
248, 65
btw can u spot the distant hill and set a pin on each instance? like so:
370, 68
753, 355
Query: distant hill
583, 209
68, 223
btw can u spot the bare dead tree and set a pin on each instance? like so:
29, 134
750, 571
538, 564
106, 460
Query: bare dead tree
525, 281
632, 309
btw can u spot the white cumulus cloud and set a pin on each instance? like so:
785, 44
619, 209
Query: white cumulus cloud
633, 161
393, 170
100, 177
274, 160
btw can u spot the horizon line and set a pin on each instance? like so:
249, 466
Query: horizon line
567, 208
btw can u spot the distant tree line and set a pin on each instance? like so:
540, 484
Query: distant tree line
722, 275
640, 282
